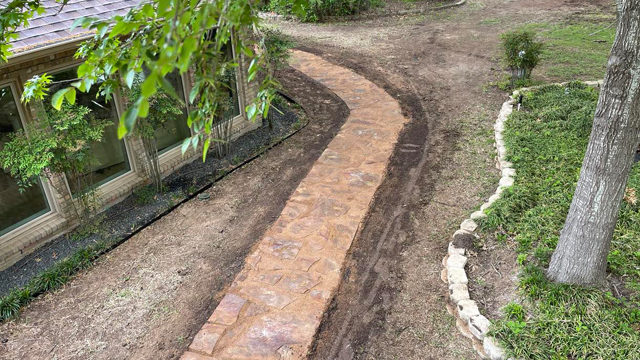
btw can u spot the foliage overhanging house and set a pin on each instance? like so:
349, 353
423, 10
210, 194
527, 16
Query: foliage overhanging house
31, 218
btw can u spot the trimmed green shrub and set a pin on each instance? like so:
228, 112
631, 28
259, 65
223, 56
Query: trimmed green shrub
521, 53
319, 10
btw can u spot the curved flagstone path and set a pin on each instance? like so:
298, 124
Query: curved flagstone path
275, 304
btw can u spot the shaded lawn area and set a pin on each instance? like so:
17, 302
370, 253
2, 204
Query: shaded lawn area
546, 143
576, 50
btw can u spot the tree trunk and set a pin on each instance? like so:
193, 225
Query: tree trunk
581, 254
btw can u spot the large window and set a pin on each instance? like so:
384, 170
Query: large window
16, 208
233, 108
174, 130
109, 156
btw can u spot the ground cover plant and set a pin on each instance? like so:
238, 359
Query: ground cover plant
546, 143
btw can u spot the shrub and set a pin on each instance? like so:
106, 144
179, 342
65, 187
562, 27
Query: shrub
318, 10
521, 52
60, 143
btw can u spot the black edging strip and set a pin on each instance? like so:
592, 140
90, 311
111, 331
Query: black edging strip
208, 186
189, 197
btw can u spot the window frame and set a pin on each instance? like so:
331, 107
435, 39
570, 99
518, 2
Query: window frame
185, 91
117, 100
49, 197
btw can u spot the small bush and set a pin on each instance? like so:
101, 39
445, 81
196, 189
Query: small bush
521, 53
277, 46
318, 10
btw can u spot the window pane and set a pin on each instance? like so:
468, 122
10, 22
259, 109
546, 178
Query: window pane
15, 208
233, 106
175, 128
109, 157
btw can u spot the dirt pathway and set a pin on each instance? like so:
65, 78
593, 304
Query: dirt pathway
391, 301
147, 298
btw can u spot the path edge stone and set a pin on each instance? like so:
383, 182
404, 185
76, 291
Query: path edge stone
469, 320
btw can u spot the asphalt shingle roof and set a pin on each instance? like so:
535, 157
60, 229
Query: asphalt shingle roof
54, 26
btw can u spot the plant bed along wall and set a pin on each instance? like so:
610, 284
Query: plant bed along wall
53, 264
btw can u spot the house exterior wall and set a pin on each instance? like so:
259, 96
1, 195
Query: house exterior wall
23, 240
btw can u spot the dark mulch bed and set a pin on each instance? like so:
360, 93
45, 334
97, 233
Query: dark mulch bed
126, 217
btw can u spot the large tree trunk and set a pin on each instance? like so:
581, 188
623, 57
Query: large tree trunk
581, 254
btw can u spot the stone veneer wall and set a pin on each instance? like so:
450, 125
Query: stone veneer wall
20, 242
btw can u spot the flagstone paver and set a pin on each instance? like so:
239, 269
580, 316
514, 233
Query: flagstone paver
274, 306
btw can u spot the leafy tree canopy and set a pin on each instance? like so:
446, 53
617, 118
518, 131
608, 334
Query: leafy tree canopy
160, 36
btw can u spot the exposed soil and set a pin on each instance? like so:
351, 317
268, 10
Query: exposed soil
125, 218
148, 297
439, 66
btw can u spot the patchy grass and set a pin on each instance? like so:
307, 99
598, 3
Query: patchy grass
547, 143
573, 51
51, 279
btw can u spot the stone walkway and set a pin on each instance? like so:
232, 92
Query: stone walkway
275, 304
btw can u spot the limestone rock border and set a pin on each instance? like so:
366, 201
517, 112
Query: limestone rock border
469, 320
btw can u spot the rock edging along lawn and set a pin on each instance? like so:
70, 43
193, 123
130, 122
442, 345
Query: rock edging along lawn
469, 320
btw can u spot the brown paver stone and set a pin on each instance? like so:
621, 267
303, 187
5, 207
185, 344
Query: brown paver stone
228, 309
288, 280
206, 339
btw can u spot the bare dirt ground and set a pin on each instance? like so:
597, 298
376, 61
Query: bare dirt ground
391, 302
148, 297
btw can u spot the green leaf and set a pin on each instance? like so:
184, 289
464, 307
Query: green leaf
185, 145
205, 149
128, 78
58, 97
252, 111
70, 96
170, 90
122, 130
148, 86
194, 92
144, 108
131, 115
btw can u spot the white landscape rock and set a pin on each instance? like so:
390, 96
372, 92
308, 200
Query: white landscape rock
479, 326
457, 276
508, 172
467, 309
456, 261
492, 349
458, 292
455, 250
506, 181
469, 225
469, 320
505, 164
478, 215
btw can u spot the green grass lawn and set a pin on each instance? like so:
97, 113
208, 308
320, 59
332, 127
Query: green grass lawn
573, 51
546, 143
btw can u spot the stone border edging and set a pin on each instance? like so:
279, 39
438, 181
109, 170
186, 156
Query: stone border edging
274, 16
469, 320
